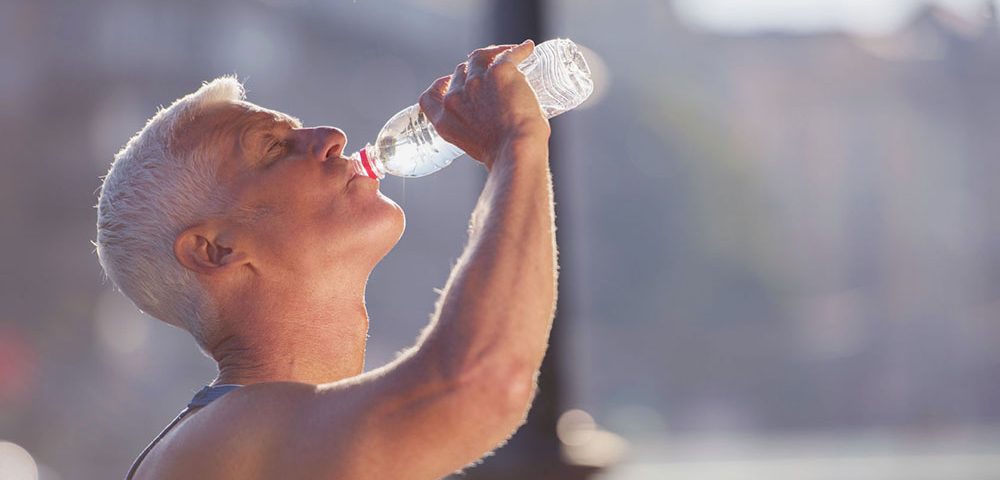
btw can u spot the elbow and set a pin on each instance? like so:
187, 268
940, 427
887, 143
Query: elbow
517, 395
504, 392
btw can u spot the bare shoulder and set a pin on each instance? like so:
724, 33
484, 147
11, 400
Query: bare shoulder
400, 421
249, 433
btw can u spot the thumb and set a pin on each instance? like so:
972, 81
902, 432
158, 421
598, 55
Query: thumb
517, 54
432, 98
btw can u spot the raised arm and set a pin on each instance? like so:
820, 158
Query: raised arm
468, 383
496, 310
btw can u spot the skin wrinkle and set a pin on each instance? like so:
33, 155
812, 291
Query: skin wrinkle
257, 132
250, 131
147, 191
255, 137
291, 322
255, 205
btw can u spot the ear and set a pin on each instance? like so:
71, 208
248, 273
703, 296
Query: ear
203, 251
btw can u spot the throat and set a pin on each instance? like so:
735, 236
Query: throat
313, 356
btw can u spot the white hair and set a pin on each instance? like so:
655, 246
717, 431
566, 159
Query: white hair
154, 190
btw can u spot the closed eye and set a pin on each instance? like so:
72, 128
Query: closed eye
275, 150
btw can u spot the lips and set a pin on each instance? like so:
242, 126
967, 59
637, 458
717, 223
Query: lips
357, 168
363, 177
355, 176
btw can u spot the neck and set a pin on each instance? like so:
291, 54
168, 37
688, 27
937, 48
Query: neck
296, 338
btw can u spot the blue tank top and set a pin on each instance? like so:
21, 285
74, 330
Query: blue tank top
204, 396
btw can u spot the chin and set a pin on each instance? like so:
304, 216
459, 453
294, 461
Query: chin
390, 224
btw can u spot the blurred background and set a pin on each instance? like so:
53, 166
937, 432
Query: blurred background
778, 219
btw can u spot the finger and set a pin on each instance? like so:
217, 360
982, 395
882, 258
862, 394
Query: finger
481, 59
517, 54
491, 48
458, 77
430, 100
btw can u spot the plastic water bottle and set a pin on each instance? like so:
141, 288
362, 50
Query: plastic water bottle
409, 146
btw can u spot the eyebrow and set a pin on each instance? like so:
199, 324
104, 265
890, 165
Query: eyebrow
262, 124
271, 119
288, 119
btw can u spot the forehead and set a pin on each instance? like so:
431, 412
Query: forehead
228, 118
253, 111
237, 114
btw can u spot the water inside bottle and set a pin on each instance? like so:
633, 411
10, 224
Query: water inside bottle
410, 147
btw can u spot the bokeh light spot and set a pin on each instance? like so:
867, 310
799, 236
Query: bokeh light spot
120, 329
16, 463
575, 427
601, 75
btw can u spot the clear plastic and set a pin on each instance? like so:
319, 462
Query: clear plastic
409, 146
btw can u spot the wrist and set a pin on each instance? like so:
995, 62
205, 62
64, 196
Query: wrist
523, 148
532, 130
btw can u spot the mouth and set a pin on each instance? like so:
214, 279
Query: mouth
358, 169
356, 173
363, 178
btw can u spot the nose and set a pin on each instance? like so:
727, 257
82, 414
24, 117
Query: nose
328, 142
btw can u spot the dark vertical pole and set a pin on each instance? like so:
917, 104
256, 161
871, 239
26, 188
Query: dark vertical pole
534, 452
515, 21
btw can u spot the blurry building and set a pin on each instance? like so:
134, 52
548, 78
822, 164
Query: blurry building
774, 233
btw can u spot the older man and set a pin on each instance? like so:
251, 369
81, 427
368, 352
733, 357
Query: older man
254, 234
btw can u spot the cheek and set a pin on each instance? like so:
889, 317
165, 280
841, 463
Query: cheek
344, 228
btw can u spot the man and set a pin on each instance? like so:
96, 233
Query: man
255, 235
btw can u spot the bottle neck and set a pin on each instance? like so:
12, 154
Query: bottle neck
366, 163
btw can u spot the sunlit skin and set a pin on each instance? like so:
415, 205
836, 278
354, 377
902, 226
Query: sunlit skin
286, 263
292, 253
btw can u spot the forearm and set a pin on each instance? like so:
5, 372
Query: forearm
496, 310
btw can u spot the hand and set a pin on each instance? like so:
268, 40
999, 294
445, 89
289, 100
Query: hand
486, 104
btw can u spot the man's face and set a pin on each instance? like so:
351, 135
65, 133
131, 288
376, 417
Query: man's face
299, 208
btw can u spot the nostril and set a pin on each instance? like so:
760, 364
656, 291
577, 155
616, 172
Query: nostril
329, 142
333, 141
333, 151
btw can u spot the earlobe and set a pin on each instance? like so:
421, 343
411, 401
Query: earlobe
201, 252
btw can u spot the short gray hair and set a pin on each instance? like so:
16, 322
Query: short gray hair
154, 190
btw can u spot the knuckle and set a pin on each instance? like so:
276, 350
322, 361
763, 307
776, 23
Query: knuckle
431, 90
479, 63
474, 81
507, 66
451, 101
426, 100
505, 70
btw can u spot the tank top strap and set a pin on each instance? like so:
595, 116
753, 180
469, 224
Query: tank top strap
204, 397
211, 393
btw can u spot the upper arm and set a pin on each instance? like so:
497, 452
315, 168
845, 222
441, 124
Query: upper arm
401, 421
407, 421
